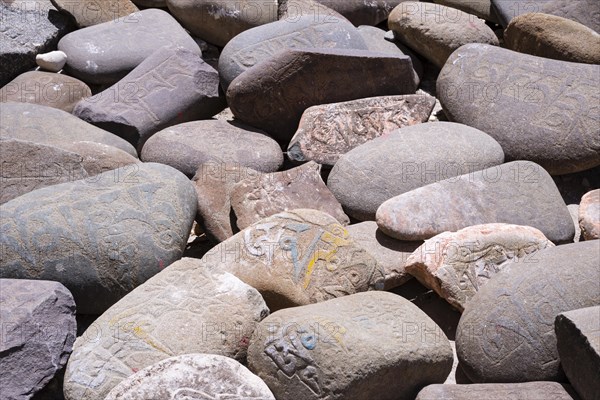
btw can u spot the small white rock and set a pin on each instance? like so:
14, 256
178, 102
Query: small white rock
53, 61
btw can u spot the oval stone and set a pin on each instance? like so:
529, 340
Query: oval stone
361, 12
497, 391
406, 159
589, 215
92, 12
481, 8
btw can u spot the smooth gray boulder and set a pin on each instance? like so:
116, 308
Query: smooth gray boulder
497, 391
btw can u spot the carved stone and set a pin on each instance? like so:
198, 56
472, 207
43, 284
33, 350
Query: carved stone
589, 215
497, 391
205, 375
187, 308
98, 158
102, 236
273, 94
519, 193
352, 347
92, 12
506, 333
255, 198
329, 131
297, 258
406, 159
456, 265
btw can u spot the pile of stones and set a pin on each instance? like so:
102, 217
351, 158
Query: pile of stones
299, 199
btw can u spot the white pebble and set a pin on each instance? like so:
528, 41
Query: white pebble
53, 61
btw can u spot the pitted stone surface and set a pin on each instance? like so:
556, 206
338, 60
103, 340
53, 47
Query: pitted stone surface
297, 258
102, 236
496, 391
92, 12
589, 215
351, 347
187, 308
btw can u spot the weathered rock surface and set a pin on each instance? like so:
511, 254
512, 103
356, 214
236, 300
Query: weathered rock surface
506, 333
187, 308
171, 86
519, 193
578, 344
406, 159
589, 215
52, 61
538, 109
292, 10
49, 126
390, 254
361, 12
351, 347
259, 44
435, 31
481, 8
97, 158
496, 391
187, 146
273, 94
549, 36
458, 264
105, 53
328, 131
255, 198
297, 258
150, 3
46, 89
574, 211
38, 331
100, 237
207, 375
92, 12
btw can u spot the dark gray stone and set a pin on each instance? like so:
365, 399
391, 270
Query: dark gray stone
38, 331
538, 109
169, 87
406, 159
506, 333
361, 12
496, 391
105, 53
101, 237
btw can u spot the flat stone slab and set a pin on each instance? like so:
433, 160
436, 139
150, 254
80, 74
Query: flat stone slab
589, 215
102, 236
519, 193
92, 12
189, 145
496, 391
506, 333
255, 198
273, 94
456, 265
406, 159
105, 53
187, 308
329, 131
169, 87
538, 109
578, 344
351, 347
296, 258
38, 331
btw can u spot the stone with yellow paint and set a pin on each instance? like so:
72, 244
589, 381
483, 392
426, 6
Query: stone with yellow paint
296, 258
186, 308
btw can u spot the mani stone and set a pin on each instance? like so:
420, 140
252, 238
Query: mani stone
578, 344
218, 21
589, 215
554, 37
255, 198
506, 333
496, 391
374, 345
519, 193
105, 53
406, 159
456, 265
186, 308
583, 11
273, 94
296, 258
46, 89
538, 109
98, 158
52, 127
38, 331
169, 87
261, 43
102, 236
390, 254
329, 131
187, 146
52, 61
574, 211
435, 31
481, 8
206, 375
92, 12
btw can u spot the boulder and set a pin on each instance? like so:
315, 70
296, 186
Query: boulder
481, 8
496, 391
92, 12
589, 215
97, 158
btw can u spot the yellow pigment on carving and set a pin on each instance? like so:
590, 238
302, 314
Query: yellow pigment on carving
326, 255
